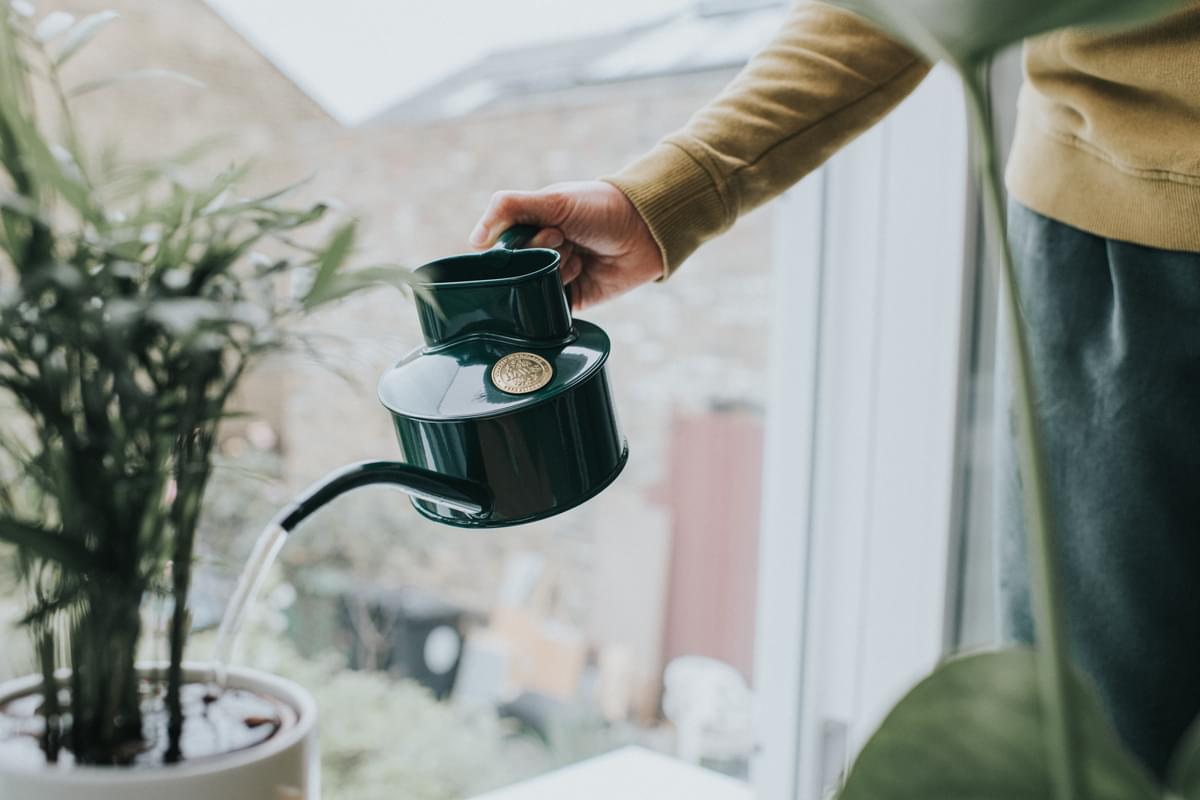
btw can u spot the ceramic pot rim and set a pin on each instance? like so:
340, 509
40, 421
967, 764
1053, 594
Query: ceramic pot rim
281, 689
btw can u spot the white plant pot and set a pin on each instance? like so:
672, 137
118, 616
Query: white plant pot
285, 767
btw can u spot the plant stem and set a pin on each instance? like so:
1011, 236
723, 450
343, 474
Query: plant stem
191, 475
1049, 621
52, 737
181, 579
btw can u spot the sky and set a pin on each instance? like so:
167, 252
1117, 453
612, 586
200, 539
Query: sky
356, 58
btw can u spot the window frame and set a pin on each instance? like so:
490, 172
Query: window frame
860, 541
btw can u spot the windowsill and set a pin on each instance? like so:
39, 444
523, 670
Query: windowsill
631, 773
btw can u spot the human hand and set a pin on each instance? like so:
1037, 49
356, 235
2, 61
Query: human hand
606, 247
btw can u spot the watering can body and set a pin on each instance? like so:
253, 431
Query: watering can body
508, 390
505, 414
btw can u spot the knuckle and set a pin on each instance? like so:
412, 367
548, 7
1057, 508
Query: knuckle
556, 202
501, 201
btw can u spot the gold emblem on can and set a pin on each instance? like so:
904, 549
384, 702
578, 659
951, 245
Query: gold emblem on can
521, 373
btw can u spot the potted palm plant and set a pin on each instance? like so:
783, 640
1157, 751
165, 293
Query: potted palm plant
131, 306
1016, 722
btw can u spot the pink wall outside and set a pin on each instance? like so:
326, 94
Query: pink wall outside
713, 496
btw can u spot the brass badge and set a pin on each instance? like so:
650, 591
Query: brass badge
521, 373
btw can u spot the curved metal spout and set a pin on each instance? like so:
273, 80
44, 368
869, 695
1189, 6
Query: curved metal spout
459, 494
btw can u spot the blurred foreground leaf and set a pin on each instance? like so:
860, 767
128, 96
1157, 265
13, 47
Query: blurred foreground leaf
974, 729
970, 32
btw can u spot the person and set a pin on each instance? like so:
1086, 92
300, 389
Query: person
1104, 220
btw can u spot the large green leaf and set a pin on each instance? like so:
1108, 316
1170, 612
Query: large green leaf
1183, 775
971, 31
974, 729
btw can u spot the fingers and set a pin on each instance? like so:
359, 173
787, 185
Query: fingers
547, 237
542, 208
571, 261
572, 267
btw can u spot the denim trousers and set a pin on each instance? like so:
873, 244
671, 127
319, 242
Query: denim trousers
1114, 333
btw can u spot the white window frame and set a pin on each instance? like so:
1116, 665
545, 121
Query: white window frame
873, 266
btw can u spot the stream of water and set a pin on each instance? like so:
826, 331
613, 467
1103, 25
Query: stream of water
262, 556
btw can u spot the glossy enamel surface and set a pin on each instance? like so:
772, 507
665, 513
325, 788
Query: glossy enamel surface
537, 461
533, 453
515, 293
454, 381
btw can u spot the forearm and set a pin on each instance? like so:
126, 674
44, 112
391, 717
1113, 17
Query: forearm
827, 76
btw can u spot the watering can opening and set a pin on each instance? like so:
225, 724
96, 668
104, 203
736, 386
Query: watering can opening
488, 268
500, 293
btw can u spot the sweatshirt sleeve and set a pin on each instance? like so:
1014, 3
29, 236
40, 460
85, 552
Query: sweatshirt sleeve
827, 76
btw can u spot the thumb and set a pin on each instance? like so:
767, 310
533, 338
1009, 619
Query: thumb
506, 209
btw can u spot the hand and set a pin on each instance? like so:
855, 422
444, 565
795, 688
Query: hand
605, 245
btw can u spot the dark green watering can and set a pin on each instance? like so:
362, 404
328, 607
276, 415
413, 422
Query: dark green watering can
505, 415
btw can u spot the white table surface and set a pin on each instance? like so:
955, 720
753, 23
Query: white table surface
631, 773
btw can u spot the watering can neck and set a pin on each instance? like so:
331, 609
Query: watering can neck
459, 494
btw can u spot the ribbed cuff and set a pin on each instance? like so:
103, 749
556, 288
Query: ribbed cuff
677, 198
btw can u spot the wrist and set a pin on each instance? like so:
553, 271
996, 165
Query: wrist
676, 199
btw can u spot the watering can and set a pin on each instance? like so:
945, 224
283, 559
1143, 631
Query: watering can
505, 415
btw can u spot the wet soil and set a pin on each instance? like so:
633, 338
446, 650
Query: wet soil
216, 722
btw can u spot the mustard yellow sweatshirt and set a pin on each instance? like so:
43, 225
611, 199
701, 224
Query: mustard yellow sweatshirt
1108, 132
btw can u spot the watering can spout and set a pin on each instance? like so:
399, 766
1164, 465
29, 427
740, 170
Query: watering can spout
458, 494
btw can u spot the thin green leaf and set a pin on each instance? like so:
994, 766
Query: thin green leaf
330, 261
53, 24
975, 729
49, 171
47, 544
347, 283
45, 611
262, 200
87, 87
80, 34
187, 316
19, 204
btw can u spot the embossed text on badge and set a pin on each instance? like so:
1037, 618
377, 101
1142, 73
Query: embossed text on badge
521, 373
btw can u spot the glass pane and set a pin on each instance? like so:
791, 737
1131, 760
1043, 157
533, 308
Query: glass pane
449, 662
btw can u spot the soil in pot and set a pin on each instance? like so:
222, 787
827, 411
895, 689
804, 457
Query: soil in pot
216, 722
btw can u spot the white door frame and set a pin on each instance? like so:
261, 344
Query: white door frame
868, 359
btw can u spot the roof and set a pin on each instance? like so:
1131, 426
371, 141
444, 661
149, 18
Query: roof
708, 36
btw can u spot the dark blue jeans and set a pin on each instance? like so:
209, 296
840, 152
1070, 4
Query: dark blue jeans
1115, 338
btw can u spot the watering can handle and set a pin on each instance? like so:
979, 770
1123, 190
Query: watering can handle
516, 237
